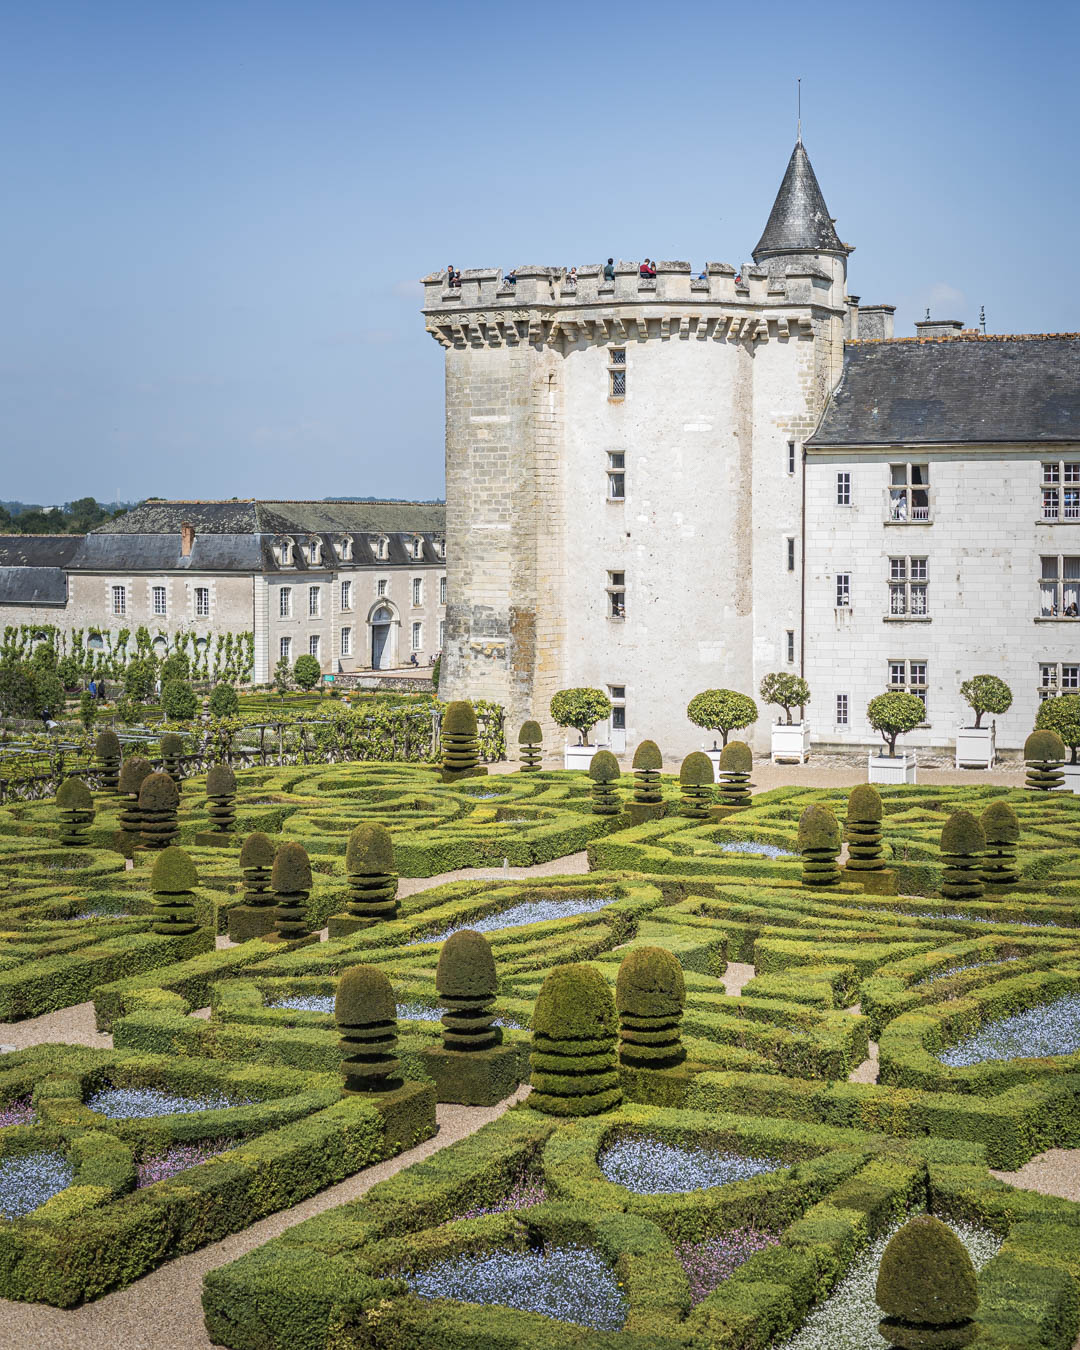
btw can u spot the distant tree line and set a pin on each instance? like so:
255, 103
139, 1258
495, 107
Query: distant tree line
73, 518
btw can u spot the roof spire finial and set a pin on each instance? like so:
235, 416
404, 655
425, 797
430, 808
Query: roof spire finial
798, 95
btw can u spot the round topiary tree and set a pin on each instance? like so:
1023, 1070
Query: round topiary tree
366, 1015
460, 741
1001, 829
178, 701
864, 815
1044, 754
893, 714
581, 709
466, 984
306, 672
224, 701
132, 773
736, 765
256, 862
159, 802
172, 885
1062, 715
722, 710
962, 842
573, 1044
819, 844
785, 690
369, 866
648, 761
649, 995
221, 798
76, 806
290, 878
604, 771
531, 741
107, 754
926, 1287
986, 694
696, 779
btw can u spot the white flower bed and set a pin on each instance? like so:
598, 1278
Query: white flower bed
649, 1166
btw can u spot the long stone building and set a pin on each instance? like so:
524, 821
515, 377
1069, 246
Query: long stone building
662, 484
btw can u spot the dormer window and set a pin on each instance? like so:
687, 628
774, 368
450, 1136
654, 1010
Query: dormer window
416, 548
314, 552
380, 546
440, 547
346, 548
286, 552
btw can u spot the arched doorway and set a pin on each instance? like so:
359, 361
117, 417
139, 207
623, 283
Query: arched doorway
380, 638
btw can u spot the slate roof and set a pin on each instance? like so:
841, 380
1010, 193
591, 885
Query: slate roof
38, 550
161, 553
799, 221
255, 517
957, 390
33, 586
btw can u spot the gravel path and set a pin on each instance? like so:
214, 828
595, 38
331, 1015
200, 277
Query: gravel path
1055, 1172
74, 1026
867, 1071
737, 974
574, 864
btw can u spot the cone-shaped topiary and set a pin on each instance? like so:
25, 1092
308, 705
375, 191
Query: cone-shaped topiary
132, 774
962, 841
926, 1287
172, 882
696, 778
736, 766
256, 861
465, 982
648, 761
531, 741
1001, 829
76, 806
291, 880
366, 1017
460, 741
604, 771
369, 865
172, 754
864, 816
107, 753
819, 844
159, 801
649, 995
573, 1044
221, 798
1044, 752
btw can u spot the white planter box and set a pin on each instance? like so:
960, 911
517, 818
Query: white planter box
579, 756
891, 769
791, 742
1072, 778
714, 757
976, 747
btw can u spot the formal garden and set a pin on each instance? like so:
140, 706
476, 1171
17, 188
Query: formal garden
768, 1051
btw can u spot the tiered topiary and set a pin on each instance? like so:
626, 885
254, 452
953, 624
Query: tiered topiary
366, 1017
927, 1289
172, 885
696, 778
460, 743
736, 766
1001, 829
369, 865
604, 771
76, 805
221, 798
134, 771
962, 842
819, 844
647, 802
255, 917
172, 754
649, 995
159, 801
291, 880
107, 753
1044, 753
531, 741
864, 816
573, 1044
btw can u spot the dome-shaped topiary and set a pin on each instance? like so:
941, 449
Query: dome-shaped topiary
133, 772
735, 767
107, 745
369, 863
696, 770
530, 734
927, 1287
736, 757
465, 982
220, 781
648, 798
1000, 823
460, 742
74, 795
291, 881
157, 792
364, 998
604, 767
575, 1003
962, 834
649, 994
1044, 752
257, 860
257, 851
220, 792
173, 872
604, 771
459, 719
159, 801
864, 803
171, 884
864, 816
962, 840
172, 745
819, 844
530, 739
366, 1014
1001, 828
370, 849
573, 1044
75, 804
647, 756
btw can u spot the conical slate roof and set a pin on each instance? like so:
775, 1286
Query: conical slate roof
799, 221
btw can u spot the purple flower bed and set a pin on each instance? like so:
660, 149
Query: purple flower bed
17, 1113
178, 1159
709, 1263
522, 1195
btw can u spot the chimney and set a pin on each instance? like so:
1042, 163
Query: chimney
187, 538
938, 328
876, 322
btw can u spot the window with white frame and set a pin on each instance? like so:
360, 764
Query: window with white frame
791, 457
909, 492
346, 642
843, 590
286, 552
789, 645
1059, 586
314, 601
346, 548
202, 602
790, 549
160, 605
616, 475
313, 645
908, 588
616, 372
843, 488
346, 595
841, 710
442, 634
617, 695
417, 591
285, 602
315, 552
1058, 678
119, 599
442, 590
285, 648
380, 586
909, 677
616, 591
1061, 489
381, 547
417, 636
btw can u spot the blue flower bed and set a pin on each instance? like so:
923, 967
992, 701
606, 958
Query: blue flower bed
320, 1003
962, 969
1048, 1029
572, 1284
751, 846
528, 911
977, 918
127, 1103
27, 1180
649, 1166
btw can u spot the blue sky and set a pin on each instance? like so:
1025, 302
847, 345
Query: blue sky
216, 213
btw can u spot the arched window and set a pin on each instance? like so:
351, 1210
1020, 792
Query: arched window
382, 615
96, 642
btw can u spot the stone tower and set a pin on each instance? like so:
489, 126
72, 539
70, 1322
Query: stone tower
624, 471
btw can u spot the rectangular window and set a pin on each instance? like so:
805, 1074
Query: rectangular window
380, 588
442, 590
1059, 587
285, 602
1070, 677
159, 600
119, 599
285, 649
616, 372
616, 475
417, 636
1061, 490
346, 595
909, 677
1055, 679
442, 634
841, 710
907, 588
417, 591
616, 589
313, 645
617, 694
346, 642
790, 640
843, 590
843, 489
909, 492
791, 555
202, 602
791, 456
314, 597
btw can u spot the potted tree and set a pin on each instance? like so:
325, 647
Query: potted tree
790, 740
721, 710
1062, 714
580, 709
976, 746
893, 714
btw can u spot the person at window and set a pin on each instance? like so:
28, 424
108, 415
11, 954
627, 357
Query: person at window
609, 270
647, 269
899, 506
703, 275
452, 278
571, 277
1071, 612
510, 278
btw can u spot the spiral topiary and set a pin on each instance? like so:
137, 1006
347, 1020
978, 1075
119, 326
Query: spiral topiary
172, 883
531, 741
604, 771
736, 766
819, 844
76, 806
962, 841
256, 862
460, 741
107, 754
221, 798
466, 984
172, 754
649, 994
648, 761
291, 881
573, 1044
159, 801
926, 1287
1001, 829
1044, 753
369, 865
864, 816
366, 1017
696, 779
